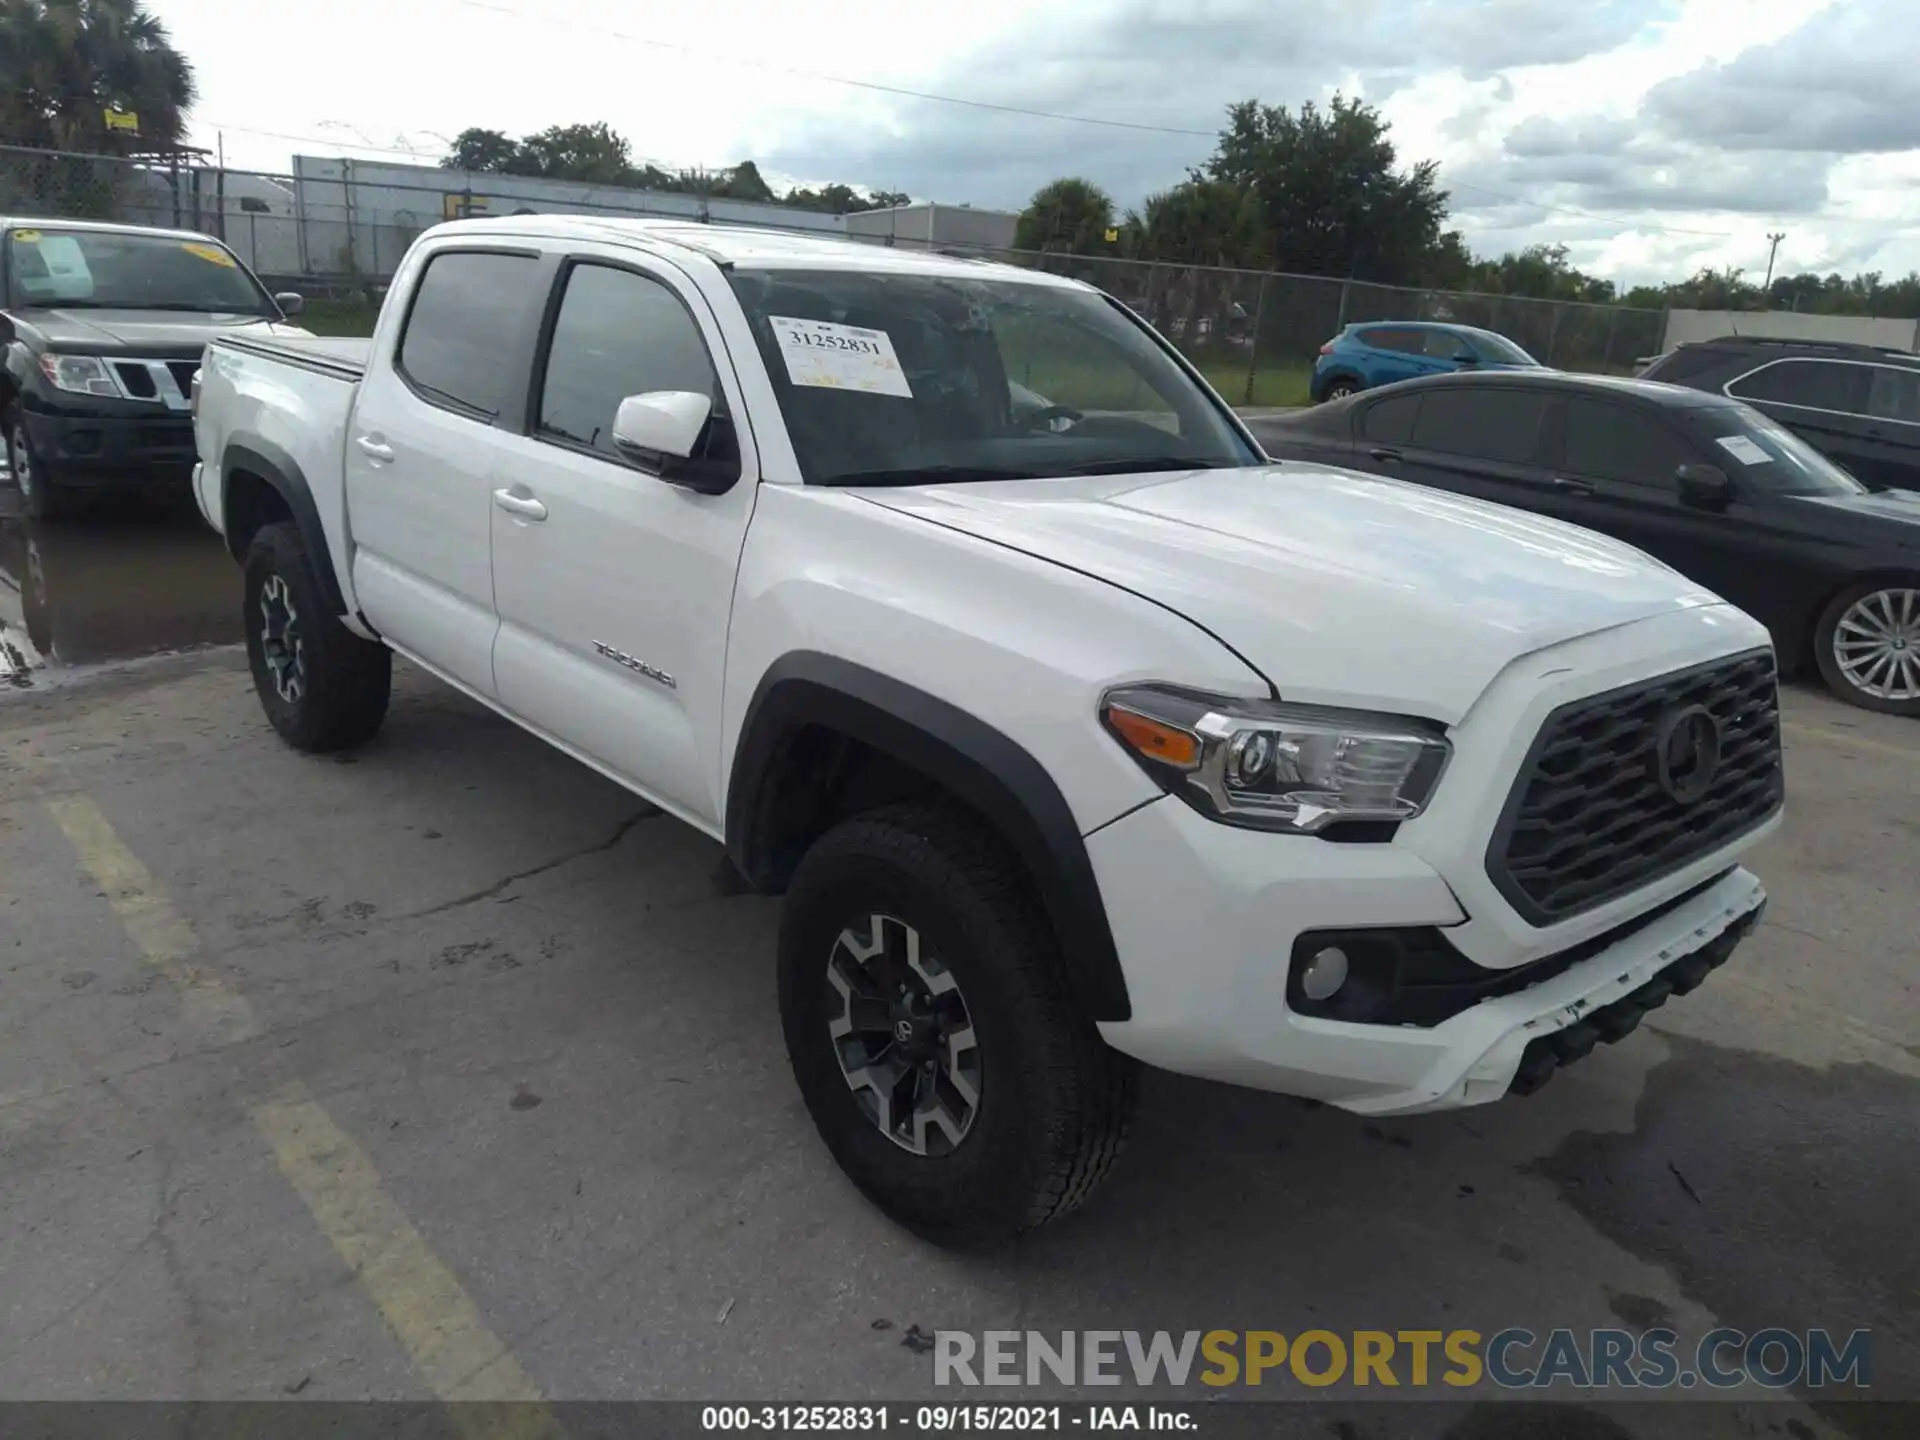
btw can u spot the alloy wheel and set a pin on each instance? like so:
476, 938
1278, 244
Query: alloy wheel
1876, 645
902, 1033
280, 642
20, 461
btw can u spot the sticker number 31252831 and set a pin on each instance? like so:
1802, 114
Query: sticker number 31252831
839, 357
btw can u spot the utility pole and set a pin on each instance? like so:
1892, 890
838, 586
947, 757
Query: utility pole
1772, 250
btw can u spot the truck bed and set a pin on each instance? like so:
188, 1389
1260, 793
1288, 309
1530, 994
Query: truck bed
344, 357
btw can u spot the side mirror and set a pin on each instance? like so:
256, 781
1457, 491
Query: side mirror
1465, 357
291, 303
662, 430
1706, 486
661, 422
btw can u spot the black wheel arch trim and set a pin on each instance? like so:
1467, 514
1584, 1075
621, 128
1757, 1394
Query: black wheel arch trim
278, 469
991, 773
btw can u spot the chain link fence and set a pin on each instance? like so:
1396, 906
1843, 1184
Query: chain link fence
336, 235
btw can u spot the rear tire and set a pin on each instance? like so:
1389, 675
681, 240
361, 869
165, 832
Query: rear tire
1340, 390
1034, 1106
322, 686
1867, 645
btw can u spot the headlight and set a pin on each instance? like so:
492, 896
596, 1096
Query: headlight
1273, 766
81, 374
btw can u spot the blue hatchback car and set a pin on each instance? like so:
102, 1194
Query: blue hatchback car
1383, 351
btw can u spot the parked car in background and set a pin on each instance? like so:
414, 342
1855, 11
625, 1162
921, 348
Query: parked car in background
1364, 356
1857, 404
1714, 488
103, 328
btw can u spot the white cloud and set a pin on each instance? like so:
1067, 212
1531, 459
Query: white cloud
1616, 126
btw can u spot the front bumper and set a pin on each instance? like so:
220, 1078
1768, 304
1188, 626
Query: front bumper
114, 451
1220, 1011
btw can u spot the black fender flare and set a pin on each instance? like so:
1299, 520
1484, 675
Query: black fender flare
991, 773
279, 469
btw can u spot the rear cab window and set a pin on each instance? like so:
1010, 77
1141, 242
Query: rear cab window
459, 348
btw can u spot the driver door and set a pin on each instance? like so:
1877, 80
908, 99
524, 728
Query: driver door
614, 587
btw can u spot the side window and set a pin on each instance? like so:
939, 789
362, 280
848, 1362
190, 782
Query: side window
1895, 395
1611, 442
1815, 384
1444, 345
617, 334
1487, 424
458, 344
1390, 421
1406, 341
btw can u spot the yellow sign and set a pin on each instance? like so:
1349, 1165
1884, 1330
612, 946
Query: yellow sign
211, 253
1112, 235
27, 237
123, 120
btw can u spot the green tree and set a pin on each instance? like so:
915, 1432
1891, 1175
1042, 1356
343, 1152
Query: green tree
485, 151
1068, 214
65, 63
592, 153
1330, 198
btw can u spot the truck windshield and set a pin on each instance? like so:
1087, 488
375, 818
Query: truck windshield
120, 270
909, 379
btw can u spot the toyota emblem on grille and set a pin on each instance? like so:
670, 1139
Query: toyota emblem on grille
1686, 752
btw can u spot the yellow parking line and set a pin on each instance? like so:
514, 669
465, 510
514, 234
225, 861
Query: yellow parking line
420, 1299
1840, 737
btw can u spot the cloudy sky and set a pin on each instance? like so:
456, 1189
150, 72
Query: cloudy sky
1650, 136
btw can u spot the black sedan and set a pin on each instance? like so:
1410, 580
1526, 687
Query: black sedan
1717, 490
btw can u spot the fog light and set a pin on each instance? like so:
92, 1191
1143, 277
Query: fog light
1324, 973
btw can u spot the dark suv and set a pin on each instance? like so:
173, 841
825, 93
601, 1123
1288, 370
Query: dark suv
1858, 404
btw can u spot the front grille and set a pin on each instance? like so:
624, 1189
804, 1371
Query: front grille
1590, 818
183, 373
137, 381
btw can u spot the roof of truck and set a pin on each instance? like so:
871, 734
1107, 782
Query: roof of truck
32, 222
747, 245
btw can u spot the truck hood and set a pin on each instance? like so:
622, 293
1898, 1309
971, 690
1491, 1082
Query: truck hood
161, 334
1339, 588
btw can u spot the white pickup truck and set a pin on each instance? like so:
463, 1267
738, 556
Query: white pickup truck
1076, 733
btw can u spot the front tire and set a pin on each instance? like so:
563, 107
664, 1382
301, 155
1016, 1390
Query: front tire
932, 1035
1867, 644
322, 686
40, 497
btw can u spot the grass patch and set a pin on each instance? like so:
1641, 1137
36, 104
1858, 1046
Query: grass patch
1273, 385
338, 317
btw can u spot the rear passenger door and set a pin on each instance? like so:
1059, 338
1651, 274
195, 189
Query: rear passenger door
1479, 440
1394, 354
1893, 427
421, 446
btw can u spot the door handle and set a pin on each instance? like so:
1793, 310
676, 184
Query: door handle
1571, 487
1384, 455
525, 506
374, 449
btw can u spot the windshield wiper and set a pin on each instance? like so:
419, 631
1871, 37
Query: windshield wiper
1143, 464
929, 475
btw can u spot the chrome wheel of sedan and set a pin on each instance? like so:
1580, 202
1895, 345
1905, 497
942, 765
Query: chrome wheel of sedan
903, 1036
1876, 644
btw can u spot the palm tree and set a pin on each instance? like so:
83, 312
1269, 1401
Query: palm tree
65, 63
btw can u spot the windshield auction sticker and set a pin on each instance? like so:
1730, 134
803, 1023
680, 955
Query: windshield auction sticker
212, 253
839, 357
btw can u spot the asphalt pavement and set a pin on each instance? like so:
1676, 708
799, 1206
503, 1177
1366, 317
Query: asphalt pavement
450, 1070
